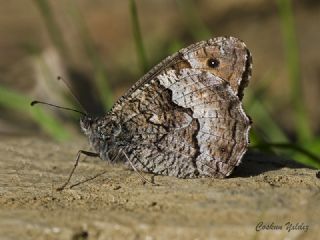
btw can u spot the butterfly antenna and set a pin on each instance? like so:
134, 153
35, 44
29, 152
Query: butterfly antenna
56, 106
75, 96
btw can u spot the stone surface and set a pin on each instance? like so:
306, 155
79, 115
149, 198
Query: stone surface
118, 205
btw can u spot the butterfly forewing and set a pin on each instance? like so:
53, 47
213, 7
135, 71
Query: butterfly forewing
185, 118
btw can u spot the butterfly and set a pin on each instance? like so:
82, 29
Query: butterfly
184, 118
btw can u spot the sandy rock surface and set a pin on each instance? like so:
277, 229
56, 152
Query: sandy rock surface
117, 205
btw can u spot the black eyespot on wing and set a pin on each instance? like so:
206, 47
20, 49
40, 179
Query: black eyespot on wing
213, 63
222, 149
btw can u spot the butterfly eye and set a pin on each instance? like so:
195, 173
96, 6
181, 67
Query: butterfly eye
213, 62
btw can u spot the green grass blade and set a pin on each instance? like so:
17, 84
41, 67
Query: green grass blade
138, 37
15, 101
196, 27
265, 128
265, 122
100, 72
49, 124
296, 152
312, 147
174, 46
104, 89
302, 125
52, 26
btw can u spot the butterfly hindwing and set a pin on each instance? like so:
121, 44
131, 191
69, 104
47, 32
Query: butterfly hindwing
185, 118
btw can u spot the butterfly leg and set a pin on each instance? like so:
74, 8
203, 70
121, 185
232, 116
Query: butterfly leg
97, 175
90, 154
137, 171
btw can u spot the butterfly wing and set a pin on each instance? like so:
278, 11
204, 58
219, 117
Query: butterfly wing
185, 117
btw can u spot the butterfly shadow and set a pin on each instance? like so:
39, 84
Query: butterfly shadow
256, 163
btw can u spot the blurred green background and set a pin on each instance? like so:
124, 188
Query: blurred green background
102, 47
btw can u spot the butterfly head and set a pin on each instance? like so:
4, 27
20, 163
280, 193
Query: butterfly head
86, 123
101, 128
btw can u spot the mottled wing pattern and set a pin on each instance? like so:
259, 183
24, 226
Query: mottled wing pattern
185, 117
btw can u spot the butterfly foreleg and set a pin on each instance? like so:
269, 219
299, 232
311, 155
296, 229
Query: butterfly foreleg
87, 153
